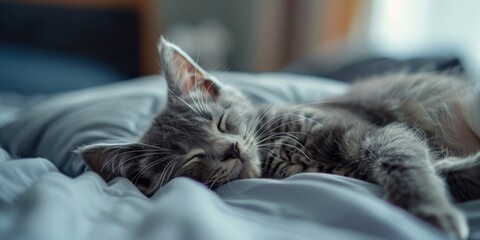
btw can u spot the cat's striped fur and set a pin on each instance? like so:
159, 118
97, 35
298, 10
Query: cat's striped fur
410, 133
325, 136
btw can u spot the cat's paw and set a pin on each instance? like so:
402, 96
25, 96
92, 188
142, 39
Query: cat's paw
450, 220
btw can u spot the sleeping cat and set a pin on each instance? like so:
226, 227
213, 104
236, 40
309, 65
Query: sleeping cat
408, 133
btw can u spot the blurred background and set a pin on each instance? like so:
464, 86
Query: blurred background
49, 46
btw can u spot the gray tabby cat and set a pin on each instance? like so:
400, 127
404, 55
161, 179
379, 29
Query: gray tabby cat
410, 134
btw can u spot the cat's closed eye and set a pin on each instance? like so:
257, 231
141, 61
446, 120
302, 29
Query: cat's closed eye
222, 127
197, 156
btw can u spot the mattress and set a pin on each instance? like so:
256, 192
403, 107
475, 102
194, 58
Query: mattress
46, 193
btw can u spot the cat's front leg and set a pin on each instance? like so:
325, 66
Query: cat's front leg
400, 162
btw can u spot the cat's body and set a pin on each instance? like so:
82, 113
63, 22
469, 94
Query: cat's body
325, 137
404, 132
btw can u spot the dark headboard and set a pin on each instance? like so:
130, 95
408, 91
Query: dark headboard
107, 35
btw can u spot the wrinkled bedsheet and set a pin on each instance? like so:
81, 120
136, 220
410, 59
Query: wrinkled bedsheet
41, 199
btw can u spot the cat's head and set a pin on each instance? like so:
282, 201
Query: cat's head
204, 133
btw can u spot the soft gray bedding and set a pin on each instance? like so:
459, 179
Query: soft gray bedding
45, 192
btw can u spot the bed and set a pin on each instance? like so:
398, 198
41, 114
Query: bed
45, 192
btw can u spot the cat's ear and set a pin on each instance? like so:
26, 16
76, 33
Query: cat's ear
182, 73
122, 160
111, 160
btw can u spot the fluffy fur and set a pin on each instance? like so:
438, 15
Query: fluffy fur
410, 133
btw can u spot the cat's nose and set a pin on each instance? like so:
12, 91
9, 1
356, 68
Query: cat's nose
232, 152
235, 151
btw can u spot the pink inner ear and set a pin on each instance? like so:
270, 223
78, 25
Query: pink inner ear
205, 85
192, 78
210, 87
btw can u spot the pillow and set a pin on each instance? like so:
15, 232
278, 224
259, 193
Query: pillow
55, 126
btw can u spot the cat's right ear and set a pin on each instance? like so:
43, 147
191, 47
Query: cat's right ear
111, 160
184, 75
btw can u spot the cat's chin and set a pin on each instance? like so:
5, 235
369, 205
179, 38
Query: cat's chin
245, 169
250, 169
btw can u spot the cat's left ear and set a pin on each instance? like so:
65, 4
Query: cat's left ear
111, 160
122, 160
183, 74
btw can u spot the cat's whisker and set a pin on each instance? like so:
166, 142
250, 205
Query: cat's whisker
309, 119
213, 183
254, 129
158, 183
164, 172
197, 93
171, 172
265, 113
195, 103
267, 152
281, 125
201, 97
272, 136
260, 134
215, 177
113, 158
290, 135
223, 71
286, 135
204, 99
121, 166
247, 128
179, 98
268, 135
218, 66
275, 119
259, 119
148, 166
283, 96
160, 179
230, 185
286, 144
